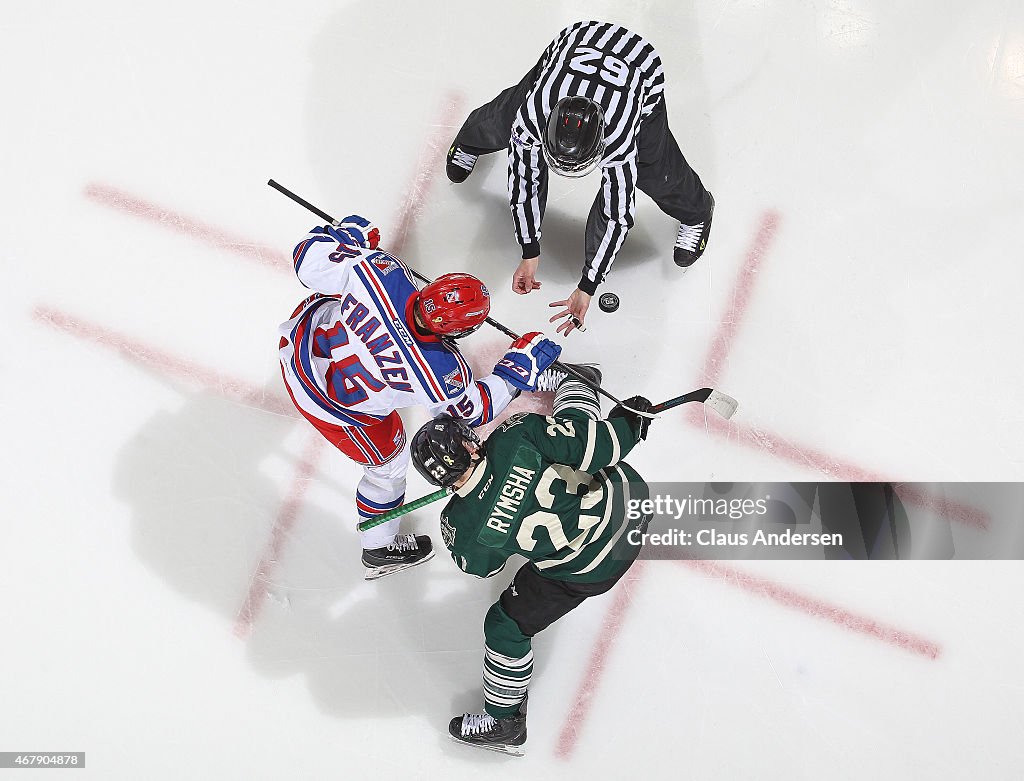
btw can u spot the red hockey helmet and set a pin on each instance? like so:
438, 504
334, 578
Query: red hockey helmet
454, 305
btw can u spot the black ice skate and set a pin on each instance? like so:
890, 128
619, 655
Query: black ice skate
692, 239
461, 162
406, 551
483, 731
551, 378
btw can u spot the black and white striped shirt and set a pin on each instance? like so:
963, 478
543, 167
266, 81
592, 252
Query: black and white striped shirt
621, 72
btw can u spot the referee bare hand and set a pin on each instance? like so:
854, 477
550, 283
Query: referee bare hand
523, 281
575, 312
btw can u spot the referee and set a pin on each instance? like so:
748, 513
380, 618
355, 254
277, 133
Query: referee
594, 100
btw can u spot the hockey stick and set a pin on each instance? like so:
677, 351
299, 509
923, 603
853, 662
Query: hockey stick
721, 403
302, 201
403, 509
490, 321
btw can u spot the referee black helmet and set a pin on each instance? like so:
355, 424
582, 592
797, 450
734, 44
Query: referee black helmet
574, 137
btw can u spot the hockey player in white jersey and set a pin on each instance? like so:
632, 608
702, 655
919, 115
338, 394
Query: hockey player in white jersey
368, 343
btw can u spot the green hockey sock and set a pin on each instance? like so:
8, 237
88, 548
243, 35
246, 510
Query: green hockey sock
506, 680
508, 663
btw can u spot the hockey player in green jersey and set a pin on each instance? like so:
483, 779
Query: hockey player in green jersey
553, 489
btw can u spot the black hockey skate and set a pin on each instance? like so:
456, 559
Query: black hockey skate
483, 731
554, 376
461, 162
692, 239
407, 550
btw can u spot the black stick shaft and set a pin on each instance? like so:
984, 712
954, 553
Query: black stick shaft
697, 395
490, 321
301, 201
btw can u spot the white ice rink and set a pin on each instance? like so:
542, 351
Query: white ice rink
179, 575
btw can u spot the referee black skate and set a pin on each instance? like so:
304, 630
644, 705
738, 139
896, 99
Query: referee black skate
594, 100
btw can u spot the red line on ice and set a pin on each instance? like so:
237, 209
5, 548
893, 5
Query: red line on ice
781, 448
762, 587
776, 445
431, 160
176, 367
188, 226
847, 619
407, 213
413, 200
730, 323
283, 524
950, 508
588, 686
137, 352
713, 366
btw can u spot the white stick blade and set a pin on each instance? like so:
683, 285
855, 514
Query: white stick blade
722, 404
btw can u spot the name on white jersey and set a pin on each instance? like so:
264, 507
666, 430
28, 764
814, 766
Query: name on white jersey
375, 336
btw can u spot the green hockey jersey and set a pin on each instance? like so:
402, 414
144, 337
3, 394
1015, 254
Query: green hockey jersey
552, 489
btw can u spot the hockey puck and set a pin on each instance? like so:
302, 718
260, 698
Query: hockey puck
608, 302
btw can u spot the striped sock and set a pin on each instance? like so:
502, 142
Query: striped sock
505, 682
573, 394
378, 536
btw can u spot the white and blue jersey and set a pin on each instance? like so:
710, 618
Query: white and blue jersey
351, 354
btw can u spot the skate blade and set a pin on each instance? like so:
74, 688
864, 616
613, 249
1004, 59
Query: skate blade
501, 748
376, 573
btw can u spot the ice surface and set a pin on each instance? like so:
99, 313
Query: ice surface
181, 586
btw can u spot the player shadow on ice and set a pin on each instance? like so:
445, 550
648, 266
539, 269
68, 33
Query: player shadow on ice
205, 484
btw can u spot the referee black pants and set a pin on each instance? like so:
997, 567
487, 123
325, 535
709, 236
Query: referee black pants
662, 171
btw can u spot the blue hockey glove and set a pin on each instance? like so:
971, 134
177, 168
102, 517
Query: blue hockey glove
357, 230
527, 357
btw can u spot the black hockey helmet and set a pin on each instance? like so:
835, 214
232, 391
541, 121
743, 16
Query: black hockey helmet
574, 137
439, 452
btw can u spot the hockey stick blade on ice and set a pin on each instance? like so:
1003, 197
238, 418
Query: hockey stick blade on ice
721, 403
